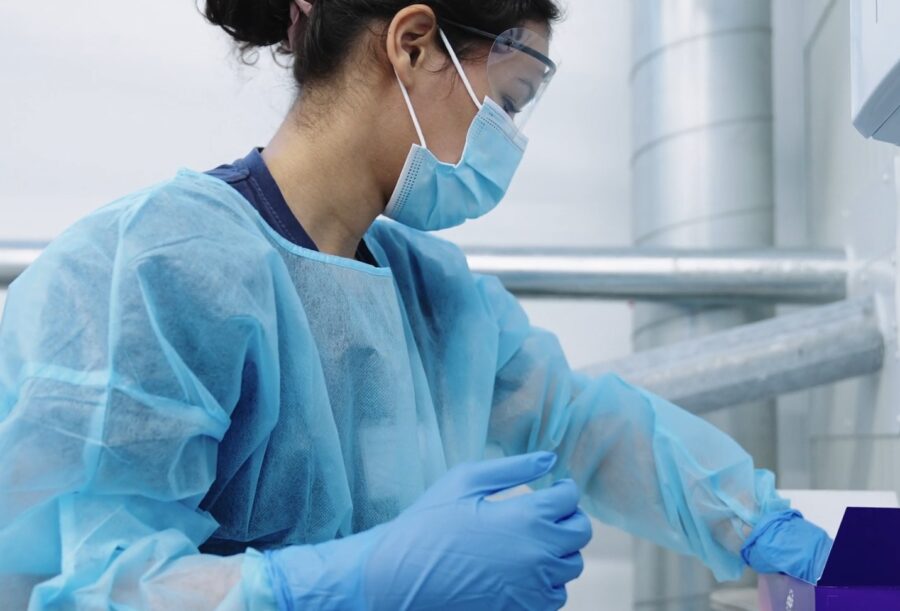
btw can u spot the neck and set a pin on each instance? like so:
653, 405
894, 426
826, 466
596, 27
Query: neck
327, 180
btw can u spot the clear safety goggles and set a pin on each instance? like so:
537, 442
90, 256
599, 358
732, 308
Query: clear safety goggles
518, 69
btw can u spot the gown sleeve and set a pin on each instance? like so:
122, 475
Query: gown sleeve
123, 351
643, 464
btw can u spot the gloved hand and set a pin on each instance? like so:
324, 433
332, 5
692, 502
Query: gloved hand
452, 549
786, 543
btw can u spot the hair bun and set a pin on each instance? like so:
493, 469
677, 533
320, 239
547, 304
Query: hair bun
252, 23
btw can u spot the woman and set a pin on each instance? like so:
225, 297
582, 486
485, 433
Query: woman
238, 390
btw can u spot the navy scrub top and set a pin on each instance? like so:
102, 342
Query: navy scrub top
251, 178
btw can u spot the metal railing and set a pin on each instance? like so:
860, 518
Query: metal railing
783, 276
786, 276
14, 258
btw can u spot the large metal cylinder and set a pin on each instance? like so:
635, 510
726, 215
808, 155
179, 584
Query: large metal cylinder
702, 178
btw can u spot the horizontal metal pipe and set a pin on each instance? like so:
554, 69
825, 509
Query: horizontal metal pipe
762, 360
14, 258
785, 276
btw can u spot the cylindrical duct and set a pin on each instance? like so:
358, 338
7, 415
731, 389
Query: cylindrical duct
702, 178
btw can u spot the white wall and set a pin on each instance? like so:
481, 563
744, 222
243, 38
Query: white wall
835, 189
852, 199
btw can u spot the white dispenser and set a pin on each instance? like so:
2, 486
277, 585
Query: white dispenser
875, 68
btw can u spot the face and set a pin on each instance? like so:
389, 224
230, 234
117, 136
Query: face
516, 76
442, 104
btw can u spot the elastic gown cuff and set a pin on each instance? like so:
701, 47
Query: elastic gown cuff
259, 594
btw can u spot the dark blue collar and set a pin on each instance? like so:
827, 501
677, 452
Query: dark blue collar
252, 179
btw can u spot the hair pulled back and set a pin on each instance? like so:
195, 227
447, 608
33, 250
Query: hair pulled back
324, 39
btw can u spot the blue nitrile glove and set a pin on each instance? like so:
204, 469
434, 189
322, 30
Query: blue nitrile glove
786, 543
452, 549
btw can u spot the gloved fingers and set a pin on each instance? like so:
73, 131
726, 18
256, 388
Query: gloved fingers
563, 570
539, 599
558, 598
492, 476
570, 535
557, 502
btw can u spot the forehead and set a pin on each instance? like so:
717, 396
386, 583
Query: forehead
538, 27
543, 31
533, 34
520, 50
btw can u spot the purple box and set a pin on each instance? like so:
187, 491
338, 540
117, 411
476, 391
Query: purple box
862, 573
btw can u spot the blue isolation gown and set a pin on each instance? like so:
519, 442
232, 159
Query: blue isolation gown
181, 387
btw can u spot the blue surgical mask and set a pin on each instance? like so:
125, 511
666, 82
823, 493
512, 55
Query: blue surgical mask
432, 195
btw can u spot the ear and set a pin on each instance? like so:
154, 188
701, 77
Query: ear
412, 42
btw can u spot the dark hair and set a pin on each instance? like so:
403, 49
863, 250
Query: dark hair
324, 39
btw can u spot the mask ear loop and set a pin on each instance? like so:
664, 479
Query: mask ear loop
462, 74
459, 69
412, 112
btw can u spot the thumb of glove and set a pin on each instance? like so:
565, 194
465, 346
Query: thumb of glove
481, 479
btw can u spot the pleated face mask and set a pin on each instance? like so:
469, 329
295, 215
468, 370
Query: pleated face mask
432, 195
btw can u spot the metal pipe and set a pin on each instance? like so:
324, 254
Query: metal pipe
786, 276
14, 258
763, 360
